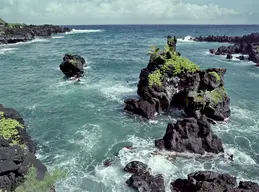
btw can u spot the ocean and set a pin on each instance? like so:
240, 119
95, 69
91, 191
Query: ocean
77, 126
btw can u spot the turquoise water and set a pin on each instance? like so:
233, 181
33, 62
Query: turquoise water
79, 125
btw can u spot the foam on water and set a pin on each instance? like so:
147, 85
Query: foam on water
57, 37
3, 51
116, 91
76, 31
187, 39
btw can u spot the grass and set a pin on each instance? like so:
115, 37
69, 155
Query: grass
216, 75
9, 130
32, 184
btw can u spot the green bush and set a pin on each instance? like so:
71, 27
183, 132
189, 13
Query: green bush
9, 130
31, 183
155, 78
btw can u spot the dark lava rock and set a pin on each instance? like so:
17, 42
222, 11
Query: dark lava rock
190, 135
141, 107
247, 45
16, 159
251, 38
22, 33
72, 65
136, 167
144, 181
173, 81
212, 51
208, 181
229, 56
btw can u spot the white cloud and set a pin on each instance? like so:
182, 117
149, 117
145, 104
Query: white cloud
112, 11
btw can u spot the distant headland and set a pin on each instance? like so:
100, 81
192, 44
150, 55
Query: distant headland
20, 32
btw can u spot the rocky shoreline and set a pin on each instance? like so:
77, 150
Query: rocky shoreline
17, 151
171, 81
142, 180
245, 45
15, 33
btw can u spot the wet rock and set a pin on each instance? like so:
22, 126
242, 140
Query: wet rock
190, 135
208, 181
212, 51
141, 107
144, 181
229, 56
72, 65
136, 167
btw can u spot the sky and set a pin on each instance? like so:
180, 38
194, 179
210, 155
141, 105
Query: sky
75, 12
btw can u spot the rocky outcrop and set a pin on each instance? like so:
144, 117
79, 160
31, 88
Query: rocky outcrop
72, 65
170, 80
246, 45
141, 107
136, 167
22, 33
142, 180
17, 151
208, 181
190, 135
251, 38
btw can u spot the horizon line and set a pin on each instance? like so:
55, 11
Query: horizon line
150, 24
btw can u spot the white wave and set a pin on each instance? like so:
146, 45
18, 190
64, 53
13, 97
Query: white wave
187, 39
76, 31
7, 50
116, 91
57, 37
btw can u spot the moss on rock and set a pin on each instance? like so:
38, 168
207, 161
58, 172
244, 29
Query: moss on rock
216, 95
9, 130
72, 61
216, 75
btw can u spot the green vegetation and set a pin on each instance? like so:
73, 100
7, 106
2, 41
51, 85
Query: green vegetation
179, 65
33, 185
173, 64
9, 130
216, 75
155, 78
176, 64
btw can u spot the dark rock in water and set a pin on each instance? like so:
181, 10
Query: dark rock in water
144, 181
208, 181
17, 151
212, 51
190, 135
170, 81
247, 45
107, 163
136, 167
72, 66
251, 38
242, 57
141, 107
229, 56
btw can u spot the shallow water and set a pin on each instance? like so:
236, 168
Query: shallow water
79, 125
